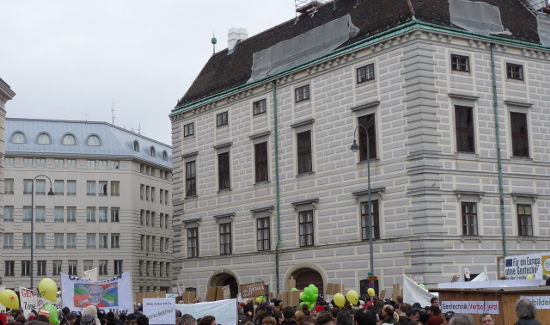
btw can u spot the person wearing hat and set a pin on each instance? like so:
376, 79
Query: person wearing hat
87, 320
288, 314
92, 311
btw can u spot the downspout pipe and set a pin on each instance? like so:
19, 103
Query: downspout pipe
499, 157
277, 184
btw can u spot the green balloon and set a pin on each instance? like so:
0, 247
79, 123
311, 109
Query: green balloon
315, 290
54, 316
307, 291
293, 289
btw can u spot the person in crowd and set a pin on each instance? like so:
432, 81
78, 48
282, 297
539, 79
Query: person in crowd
365, 317
269, 321
462, 319
87, 320
526, 312
307, 320
288, 314
207, 320
435, 318
92, 311
486, 319
434, 301
325, 319
387, 315
187, 320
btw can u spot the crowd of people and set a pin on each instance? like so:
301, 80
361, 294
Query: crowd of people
373, 312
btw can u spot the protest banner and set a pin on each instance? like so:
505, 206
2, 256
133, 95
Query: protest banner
92, 275
412, 293
471, 307
114, 293
30, 300
225, 311
522, 266
160, 310
251, 290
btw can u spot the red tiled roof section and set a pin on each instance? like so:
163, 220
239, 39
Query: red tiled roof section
224, 71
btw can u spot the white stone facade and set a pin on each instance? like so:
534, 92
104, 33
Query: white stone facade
418, 177
75, 217
6, 93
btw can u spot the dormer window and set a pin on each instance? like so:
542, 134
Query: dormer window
18, 138
136, 146
69, 140
93, 140
152, 151
43, 138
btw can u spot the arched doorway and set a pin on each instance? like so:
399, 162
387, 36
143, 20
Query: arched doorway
306, 276
224, 279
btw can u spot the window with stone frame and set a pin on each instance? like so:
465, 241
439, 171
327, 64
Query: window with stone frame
263, 234
261, 162
259, 107
192, 242
306, 228
9, 268
520, 135
72, 267
469, 218
103, 267
190, 179
301, 93
224, 178
225, 238
460, 63
368, 123
375, 221
514, 71
25, 268
56, 267
41, 267
464, 127
525, 220
365, 73
117, 267
222, 119
304, 154
8, 185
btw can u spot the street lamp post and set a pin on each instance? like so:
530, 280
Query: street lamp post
355, 147
50, 193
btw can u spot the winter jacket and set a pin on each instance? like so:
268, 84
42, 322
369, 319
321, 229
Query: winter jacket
527, 322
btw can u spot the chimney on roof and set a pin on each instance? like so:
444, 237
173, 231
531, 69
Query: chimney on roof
234, 35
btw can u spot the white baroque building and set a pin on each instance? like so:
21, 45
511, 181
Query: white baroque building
111, 208
267, 188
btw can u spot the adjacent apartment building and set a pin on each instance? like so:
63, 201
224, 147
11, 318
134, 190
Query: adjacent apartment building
111, 206
267, 188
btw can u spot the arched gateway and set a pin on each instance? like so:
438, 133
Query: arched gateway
223, 279
306, 276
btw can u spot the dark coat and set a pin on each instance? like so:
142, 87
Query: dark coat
527, 322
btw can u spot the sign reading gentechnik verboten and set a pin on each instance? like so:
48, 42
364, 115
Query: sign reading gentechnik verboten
470, 307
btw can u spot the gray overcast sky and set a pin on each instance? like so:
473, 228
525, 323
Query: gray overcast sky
70, 59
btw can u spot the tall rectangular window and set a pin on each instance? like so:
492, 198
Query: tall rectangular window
73, 267
90, 214
40, 214
103, 241
464, 123
367, 123
263, 234
103, 188
27, 186
40, 187
59, 187
58, 214
102, 214
375, 220
56, 267
59, 240
27, 240
103, 267
304, 152
188, 130
40, 240
260, 162
520, 136
301, 94
225, 238
224, 181
41, 268
8, 185
365, 73
8, 213
142, 191
88, 265
9, 268
305, 223
91, 188
525, 220
115, 214
192, 242
27, 213
25, 268
8, 240
115, 240
514, 71
259, 107
460, 63
469, 218
190, 179
71, 187
71, 240
222, 119
91, 241
118, 267
71, 214
115, 188
71, 163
